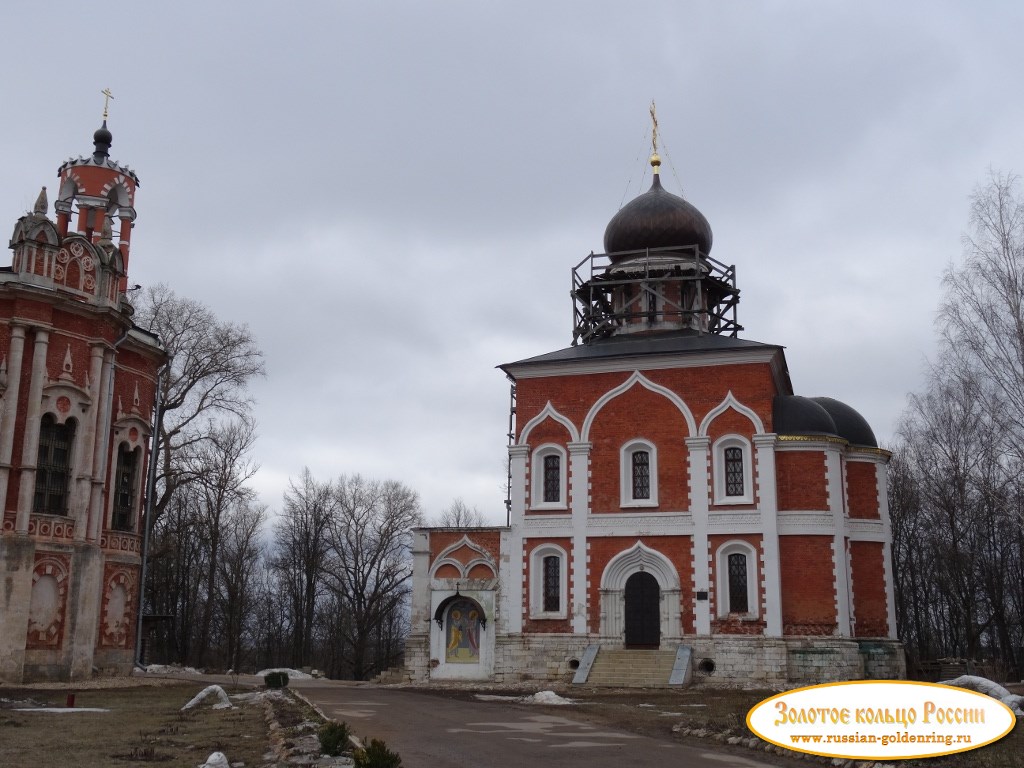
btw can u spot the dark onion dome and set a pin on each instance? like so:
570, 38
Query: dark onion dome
850, 425
102, 140
796, 415
657, 219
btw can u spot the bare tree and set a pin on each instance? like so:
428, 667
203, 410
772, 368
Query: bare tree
212, 363
300, 556
241, 558
370, 565
459, 515
221, 464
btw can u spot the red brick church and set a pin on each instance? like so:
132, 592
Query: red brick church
78, 383
670, 492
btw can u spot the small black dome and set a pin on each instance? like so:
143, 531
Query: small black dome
657, 219
102, 140
850, 425
796, 415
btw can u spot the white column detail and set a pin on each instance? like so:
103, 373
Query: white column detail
30, 440
512, 593
15, 354
579, 493
882, 476
89, 480
104, 406
836, 496
699, 448
769, 506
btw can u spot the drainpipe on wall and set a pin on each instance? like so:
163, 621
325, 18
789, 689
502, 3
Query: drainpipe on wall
148, 512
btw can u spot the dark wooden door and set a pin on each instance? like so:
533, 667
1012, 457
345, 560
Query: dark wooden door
643, 611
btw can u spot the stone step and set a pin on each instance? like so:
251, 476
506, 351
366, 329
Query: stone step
632, 668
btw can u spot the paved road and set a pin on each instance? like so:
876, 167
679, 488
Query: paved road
435, 732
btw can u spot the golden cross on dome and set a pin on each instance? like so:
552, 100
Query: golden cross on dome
654, 128
107, 96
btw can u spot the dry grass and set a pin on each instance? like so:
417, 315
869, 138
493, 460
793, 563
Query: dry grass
144, 725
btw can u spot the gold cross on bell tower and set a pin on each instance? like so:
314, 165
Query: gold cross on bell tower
107, 96
655, 160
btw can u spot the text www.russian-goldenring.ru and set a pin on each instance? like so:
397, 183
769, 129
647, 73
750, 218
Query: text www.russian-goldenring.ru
885, 739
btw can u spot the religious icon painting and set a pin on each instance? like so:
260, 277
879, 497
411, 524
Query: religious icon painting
462, 633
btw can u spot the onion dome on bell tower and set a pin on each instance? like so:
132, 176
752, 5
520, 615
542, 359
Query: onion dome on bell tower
656, 274
656, 219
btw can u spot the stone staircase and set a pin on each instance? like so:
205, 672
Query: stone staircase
632, 669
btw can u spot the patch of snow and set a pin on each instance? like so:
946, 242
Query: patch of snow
216, 760
547, 697
60, 709
223, 702
293, 674
989, 688
169, 669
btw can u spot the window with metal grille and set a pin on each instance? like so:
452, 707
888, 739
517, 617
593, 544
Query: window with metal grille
552, 478
552, 584
738, 602
53, 466
641, 475
733, 471
124, 489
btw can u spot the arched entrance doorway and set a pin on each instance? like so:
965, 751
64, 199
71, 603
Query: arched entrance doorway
643, 611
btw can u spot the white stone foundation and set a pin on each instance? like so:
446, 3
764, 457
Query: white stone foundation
718, 660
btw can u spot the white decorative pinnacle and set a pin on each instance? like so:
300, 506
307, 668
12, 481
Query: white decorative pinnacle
135, 399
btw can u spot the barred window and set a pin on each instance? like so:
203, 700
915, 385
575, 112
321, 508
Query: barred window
552, 584
734, 471
124, 489
738, 602
552, 478
641, 475
53, 466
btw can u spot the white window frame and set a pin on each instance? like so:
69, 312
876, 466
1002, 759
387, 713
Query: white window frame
626, 473
718, 461
537, 582
537, 477
722, 581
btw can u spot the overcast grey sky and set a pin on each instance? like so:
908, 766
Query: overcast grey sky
391, 195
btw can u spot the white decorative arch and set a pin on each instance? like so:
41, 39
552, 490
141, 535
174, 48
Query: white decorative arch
638, 378
639, 558
731, 402
445, 558
613, 591
549, 412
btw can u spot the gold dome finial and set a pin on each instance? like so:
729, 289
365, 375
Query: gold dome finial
655, 160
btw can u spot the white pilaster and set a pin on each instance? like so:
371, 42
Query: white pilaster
836, 492
513, 582
15, 354
579, 471
882, 476
699, 448
30, 440
768, 504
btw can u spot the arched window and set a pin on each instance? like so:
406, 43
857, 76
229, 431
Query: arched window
125, 482
548, 582
548, 473
638, 460
733, 471
736, 567
53, 466
552, 584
